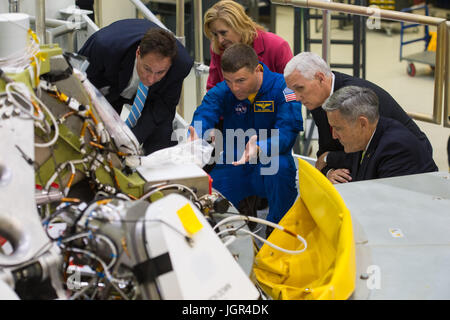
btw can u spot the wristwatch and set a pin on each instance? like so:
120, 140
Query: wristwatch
325, 158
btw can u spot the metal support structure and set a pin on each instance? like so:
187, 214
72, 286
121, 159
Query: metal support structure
358, 65
359, 51
441, 75
199, 67
147, 13
40, 21
362, 11
442, 69
198, 30
326, 32
14, 6
299, 16
447, 77
180, 21
97, 9
253, 9
55, 28
273, 10
69, 29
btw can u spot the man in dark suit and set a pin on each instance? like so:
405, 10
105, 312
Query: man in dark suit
313, 83
379, 147
136, 53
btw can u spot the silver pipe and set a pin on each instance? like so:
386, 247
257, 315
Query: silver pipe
147, 13
198, 30
362, 11
326, 38
180, 19
52, 196
198, 62
254, 9
66, 28
97, 10
72, 41
40, 21
69, 29
90, 25
14, 6
60, 27
447, 77
53, 23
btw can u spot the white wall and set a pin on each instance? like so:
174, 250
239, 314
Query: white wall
51, 7
111, 11
284, 24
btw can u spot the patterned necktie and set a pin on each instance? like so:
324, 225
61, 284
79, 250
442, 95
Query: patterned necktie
138, 105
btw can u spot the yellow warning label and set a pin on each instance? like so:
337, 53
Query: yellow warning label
396, 233
189, 220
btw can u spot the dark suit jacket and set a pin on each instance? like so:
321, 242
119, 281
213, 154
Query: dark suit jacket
111, 52
388, 108
393, 151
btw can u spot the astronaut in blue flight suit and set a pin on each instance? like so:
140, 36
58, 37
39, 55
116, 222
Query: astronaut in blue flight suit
261, 121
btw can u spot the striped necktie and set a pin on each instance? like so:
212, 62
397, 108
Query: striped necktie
138, 105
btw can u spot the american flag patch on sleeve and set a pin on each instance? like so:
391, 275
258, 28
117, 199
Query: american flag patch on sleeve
289, 95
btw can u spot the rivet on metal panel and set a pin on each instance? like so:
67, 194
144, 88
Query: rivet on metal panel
364, 276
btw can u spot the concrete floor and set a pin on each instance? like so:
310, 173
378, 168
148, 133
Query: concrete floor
383, 67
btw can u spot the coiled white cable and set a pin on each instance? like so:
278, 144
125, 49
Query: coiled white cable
60, 168
55, 125
99, 236
265, 222
20, 59
26, 95
22, 91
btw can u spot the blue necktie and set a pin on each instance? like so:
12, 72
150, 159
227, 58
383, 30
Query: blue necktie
138, 105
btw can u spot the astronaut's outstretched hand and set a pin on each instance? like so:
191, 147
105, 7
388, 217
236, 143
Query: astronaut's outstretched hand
251, 151
192, 134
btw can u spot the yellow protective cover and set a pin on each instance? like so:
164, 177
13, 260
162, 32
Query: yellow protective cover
327, 269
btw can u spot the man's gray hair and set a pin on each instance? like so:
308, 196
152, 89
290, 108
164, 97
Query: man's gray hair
353, 102
307, 63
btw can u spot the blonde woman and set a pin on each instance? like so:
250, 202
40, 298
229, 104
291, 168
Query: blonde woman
226, 23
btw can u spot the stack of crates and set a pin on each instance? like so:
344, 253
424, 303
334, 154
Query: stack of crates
392, 4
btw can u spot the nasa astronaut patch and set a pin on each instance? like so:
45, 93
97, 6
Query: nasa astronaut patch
240, 109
